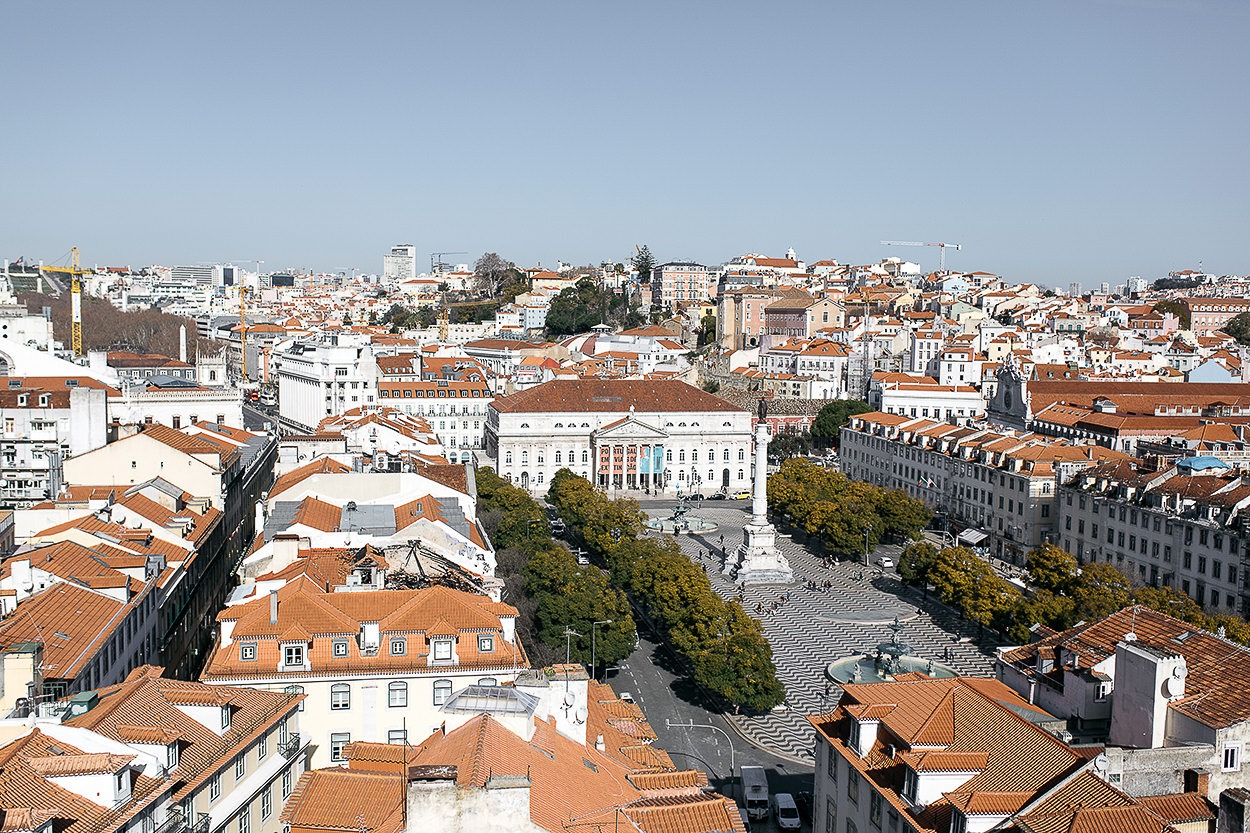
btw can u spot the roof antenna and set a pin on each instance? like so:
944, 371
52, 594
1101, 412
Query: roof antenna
1131, 636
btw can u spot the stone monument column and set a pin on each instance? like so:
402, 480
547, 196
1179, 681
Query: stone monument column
757, 560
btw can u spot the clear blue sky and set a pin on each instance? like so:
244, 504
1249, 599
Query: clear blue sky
1057, 141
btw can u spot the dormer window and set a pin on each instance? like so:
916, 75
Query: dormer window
340, 648
247, 651
909, 784
399, 647
853, 739
225, 717
293, 656
485, 644
440, 650
171, 756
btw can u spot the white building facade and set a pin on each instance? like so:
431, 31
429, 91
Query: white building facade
661, 435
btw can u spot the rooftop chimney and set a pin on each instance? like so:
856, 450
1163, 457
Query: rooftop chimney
273, 607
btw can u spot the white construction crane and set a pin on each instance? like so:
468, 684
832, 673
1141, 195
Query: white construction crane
942, 247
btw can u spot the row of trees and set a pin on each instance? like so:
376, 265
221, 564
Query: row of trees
1061, 591
724, 648
549, 588
848, 517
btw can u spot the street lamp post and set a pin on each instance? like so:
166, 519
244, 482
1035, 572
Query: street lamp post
867, 532
692, 725
593, 655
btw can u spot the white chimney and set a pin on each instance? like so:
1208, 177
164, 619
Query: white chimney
273, 607
182, 343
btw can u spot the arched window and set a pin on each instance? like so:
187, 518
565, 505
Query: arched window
585, 456
739, 474
694, 456
540, 458
558, 458
525, 458
726, 455
681, 456
742, 455
340, 696
507, 457
668, 455
442, 691
397, 695
488, 681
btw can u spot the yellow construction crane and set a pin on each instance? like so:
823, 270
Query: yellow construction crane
444, 321
75, 296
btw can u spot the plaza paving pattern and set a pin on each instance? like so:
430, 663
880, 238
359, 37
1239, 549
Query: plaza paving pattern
817, 626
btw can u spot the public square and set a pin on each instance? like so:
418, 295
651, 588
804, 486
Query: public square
810, 628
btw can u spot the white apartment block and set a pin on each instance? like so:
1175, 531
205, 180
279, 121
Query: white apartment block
375, 665
318, 379
999, 484
401, 263
46, 421
455, 410
1181, 526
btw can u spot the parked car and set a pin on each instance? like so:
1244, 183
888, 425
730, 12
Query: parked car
625, 697
742, 494
582, 558
716, 496
786, 812
885, 562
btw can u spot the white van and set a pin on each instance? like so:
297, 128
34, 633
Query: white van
786, 812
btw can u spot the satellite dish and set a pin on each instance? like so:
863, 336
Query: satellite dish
1174, 686
1179, 672
581, 714
1100, 763
569, 699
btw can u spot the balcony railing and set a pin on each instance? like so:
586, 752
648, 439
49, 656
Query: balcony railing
289, 747
177, 822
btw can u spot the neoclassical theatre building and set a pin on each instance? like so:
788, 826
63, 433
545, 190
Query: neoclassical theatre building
662, 435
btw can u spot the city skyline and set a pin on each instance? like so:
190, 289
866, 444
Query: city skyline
1083, 142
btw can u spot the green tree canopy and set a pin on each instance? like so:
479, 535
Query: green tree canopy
1052, 568
1176, 308
1239, 328
827, 426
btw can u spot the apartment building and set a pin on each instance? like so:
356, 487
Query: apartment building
218, 466
1182, 526
1170, 700
151, 753
923, 755
455, 410
374, 664
999, 484
319, 379
557, 752
46, 420
923, 396
682, 282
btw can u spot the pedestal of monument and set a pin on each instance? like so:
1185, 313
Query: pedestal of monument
757, 560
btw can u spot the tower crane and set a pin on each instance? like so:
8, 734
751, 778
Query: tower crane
75, 297
942, 247
436, 260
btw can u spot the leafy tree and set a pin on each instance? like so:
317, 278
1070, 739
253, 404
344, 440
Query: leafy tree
1046, 608
828, 424
1172, 602
707, 329
576, 309
568, 595
643, 263
521, 520
711, 386
1239, 328
491, 273
1100, 591
1052, 568
1176, 308
902, 516
915, 562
